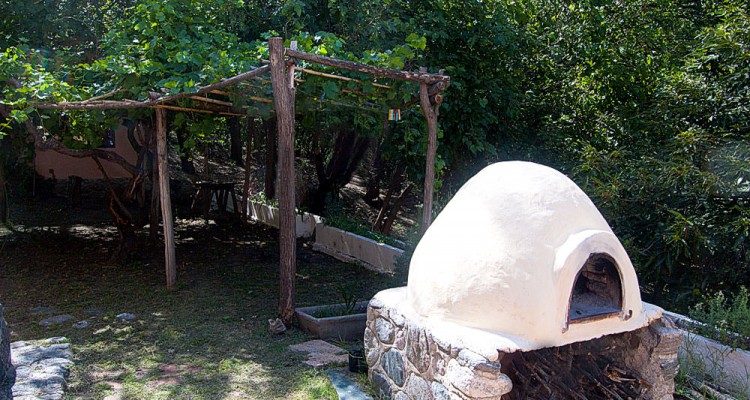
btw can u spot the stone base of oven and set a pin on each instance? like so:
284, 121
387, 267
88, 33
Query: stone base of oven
409, 361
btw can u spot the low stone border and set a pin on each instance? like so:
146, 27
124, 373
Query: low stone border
700, 356
41, 368
349, 247
337, 243
269, 215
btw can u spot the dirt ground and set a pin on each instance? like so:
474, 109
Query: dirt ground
208, 338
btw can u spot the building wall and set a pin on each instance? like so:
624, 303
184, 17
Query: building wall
50, 163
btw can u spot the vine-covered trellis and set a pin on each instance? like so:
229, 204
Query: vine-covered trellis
282, 68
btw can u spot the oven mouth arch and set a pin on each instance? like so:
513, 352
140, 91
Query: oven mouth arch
597, 291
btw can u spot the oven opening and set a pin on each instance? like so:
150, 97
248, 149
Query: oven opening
597, 291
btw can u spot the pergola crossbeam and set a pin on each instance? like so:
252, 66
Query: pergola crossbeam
378, 72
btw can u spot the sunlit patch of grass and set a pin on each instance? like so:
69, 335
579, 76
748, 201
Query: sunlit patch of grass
314, 385
208, 339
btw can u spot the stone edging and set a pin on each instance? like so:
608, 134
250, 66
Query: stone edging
337, 243
701, 356
41, 368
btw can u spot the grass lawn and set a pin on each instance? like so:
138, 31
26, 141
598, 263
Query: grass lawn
207, 339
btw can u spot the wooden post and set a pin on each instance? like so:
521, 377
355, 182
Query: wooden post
283, 96
166, 201
430, 112
248, 163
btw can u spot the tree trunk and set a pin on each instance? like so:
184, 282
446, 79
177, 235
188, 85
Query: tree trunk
153, 231
4, 206
283, 94
377, 168
386, 230
270, 173
170, 263
74, 183
349, 150
235, 139
430, 111
248, 164
186, 160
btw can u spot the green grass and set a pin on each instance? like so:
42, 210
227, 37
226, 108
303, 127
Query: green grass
727, 319
207, 339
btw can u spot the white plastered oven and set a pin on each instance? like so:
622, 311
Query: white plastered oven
521, 252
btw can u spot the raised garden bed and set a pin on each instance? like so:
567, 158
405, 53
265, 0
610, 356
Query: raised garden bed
269, 215
350, 247
323, 321
338, 243
728, 367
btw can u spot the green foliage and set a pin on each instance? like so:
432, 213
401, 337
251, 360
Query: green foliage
176, 45
644, 102
727, 319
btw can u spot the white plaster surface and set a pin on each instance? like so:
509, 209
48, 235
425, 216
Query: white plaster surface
270, 216
486, 343
503, 255
49, 163
699, 356
350, 247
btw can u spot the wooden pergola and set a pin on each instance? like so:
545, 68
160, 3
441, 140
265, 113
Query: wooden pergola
282, 68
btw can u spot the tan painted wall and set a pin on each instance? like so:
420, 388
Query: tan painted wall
49, 163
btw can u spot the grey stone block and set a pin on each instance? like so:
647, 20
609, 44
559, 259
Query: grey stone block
393, 365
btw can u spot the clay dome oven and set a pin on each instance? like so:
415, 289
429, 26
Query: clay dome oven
521, 252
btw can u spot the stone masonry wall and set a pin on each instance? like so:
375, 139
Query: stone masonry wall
7, 371
407, 362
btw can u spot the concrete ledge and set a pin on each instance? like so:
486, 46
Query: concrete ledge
349, 247
701, 356
339, 244
269, 215
349, 327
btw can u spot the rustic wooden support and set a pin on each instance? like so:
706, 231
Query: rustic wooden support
283, 93
248, 164
125, 104
430, 111
213, 101
339, 77
170, 263
379, 72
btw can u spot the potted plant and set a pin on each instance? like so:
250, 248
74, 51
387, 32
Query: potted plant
344, 321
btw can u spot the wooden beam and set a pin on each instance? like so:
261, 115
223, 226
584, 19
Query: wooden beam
197, 110
423, 77
212, 101
283, 94
431, 113
115, 105
170, 263
339, 77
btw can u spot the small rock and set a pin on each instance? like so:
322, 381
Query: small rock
81, 324
126, 316
276, 326
93, 312
58, 319
43, 310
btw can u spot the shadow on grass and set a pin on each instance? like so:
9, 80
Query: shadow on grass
206, 339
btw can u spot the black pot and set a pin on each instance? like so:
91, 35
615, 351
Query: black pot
357, 363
